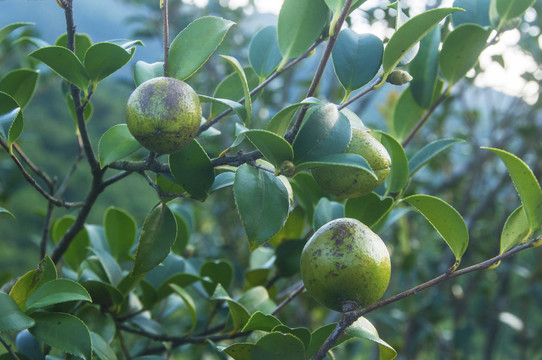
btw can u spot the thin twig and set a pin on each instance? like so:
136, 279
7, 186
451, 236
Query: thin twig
115, 178
160, 192
8, 348
359, 96
166, 34
424, 119
286, 301
39, 172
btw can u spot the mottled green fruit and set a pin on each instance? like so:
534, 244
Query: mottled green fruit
163, 114
345, 265
346, 182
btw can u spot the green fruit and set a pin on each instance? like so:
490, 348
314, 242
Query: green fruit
347, 182
163, 114
345, 265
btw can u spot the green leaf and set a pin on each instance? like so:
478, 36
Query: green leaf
6, 212
238, 108
218, 272
409, 34
273, 147
104, 58
460, 51
222, 181
368, 209
445, 219
510, 9
65, 63
189, 303
184, 229
280, 122
157, 237
278, 346
288, 256
55, 292
362, 328
101, 348
516, 230
193, 170
20, 85
110, 266
238, 312
8, 29
63, 331
144, 71
424, 68
257, 299
526, 185
78, 249
87, 113
307, 192
81, 44
293, 229
428, 152
11, 119
300, 23
120, 231
477, 12
406, 113
33, 279
195, 44
356, 58
263, 52
11, 316
398, 177
345, 159
301, 333
260, 321
103, 294
244, 85
325, 212
116, 143
262, 202
240, 351
326, 131
318, 337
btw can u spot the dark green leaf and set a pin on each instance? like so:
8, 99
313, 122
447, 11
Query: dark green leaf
11, 119
428, 152
104, 58
110, 266
81, 44
144, 71
222, 180
195, 44
78, 249
8, 29
218, 272
63, 331
183, 231
103, 294
64, 62
278, 346
406, 114
11, 316
238, 312
193, 170
516, 230
257, 299
307, 192
120, 231
264, 53
20, 85
445, 219
101, 348
325, 212
116, 143
280, 122
260, 321
293, 229
424, 69
262, 202
273, 147
189, 303
55, 292
288, 255
477, 12
301, 333
28, 346
240, 351
398, 177
368, 209
157, 237
362, 328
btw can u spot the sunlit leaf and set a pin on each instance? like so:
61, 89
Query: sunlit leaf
65, 63
116, 143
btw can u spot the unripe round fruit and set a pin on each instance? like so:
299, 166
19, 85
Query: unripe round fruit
345, 265
163, 114
345, 182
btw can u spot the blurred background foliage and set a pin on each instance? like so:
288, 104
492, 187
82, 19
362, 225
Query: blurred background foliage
493, 314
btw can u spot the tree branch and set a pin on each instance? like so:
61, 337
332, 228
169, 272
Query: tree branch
424, 118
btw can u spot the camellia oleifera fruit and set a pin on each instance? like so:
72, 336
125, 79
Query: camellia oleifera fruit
163, 114
345, 265
346, 182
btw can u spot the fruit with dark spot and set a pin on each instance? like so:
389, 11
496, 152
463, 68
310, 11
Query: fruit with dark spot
163, 114
345, 265
346, 182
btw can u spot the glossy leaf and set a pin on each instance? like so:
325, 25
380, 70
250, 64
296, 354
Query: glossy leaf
28, 346
240, 351
195, 44
189, 303
120, 231
33, 279
110, 266
262, 322
300, 23
424, 69
445, 219
238, 312
101, 348
237, 108
263, 52
476, 12
11, 119
11, 316
368, 209
398, 177
64, 62
409, 34
325, 132
356, 58
262, 203
222, 181
55, 292
20, 85
510, 9
318, 337
104, 58
144, 71
157, 237
526, 185
231, 88
218, 272
8, 29
64, 332
273, 147
81, 44
336, 7
193, 170
362, 328
116, 143
78, 249
460, 51
326, 211
428, 152
244, 85
516, 230
278, 346
280, 122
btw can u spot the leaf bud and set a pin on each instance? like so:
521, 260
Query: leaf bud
399, 77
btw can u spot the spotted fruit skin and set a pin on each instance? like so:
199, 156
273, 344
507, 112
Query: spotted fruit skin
345, 263
163, 114
345, 182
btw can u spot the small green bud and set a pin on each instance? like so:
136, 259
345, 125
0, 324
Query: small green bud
399, 77
287, 168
